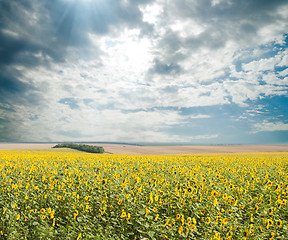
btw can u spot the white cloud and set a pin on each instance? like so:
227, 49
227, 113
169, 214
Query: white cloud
261, 65
202, 137
151, 13
199, 116
266, 126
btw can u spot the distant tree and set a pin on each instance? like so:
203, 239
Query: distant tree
81, 147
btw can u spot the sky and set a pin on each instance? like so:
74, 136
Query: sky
143, 71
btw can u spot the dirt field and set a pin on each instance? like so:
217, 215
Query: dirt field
156, 150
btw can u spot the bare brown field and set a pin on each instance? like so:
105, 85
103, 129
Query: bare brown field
24, 146
159, 150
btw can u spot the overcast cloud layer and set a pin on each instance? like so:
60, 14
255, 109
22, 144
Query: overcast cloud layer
185, 71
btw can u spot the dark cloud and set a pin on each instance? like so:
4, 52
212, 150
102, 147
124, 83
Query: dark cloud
14, 91
37, 33
258, 11
237, 21
8, 132
12, 84
50, 27
164, 68
71, 21
6, 106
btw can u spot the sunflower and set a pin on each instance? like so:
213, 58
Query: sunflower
271, 210
251, 230
279, 223
79, 236
215, 202
166, 223
269, 223
194, 220
203, 211
246, 233
76, 214
272, 236
213, 193
178, 216
180, 230
42, 210
207, 220
225, 221
123, 214
147, 212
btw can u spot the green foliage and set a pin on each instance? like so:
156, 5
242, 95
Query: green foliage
80, 196
81, 147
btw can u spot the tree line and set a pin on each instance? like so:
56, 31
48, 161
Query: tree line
81, 147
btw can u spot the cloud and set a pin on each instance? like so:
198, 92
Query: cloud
266, 126
125, 70
165, 69
214, 26
71, 102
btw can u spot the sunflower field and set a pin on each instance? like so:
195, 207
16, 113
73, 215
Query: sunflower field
73, 195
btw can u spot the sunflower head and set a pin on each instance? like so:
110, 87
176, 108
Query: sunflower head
279, 223
207, 220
